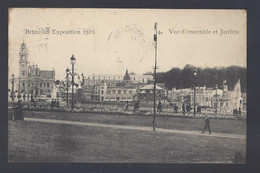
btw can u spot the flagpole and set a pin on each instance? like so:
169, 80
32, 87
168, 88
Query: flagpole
155, 66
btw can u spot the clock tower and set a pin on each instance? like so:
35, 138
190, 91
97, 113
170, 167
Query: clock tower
23, 61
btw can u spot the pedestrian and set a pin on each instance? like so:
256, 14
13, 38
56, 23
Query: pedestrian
34, 103
207, 125
126, 106
187, 109
58, 104
183, 109
236, 112
239, 111
159, 106
18, 111
55, 103
175, 109
32, 99
52, 103
135, 106
198, 109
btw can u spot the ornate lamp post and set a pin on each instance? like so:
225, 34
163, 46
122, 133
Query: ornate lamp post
67, 86
194, 88
73, 62
216, 111
12, 91
72, 74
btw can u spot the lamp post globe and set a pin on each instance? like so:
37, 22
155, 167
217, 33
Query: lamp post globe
67, 70
73, 60
195, 72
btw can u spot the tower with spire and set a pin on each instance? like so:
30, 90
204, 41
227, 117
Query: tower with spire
33, 81
127, 78
23, 62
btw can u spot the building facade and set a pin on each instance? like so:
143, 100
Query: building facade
113, 87
32, 80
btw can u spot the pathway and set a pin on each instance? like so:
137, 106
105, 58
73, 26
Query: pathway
184, 132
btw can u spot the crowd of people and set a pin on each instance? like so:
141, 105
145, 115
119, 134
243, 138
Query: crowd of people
237, 112
55, 103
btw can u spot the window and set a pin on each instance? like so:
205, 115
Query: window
23, 84
108, 91
130, 91
44, 84
41, 92
48, 85
114, 91
124, 91
102, 92
118, 91
23, 73
40, 84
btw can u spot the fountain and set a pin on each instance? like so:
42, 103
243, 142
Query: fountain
54, 92
237, 96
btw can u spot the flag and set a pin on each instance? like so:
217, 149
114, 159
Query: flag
155, 26
155, 37
155, 29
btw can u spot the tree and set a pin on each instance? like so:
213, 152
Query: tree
184, 78
148, 73
57, 82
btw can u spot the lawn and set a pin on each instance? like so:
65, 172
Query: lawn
218, 125
47, 142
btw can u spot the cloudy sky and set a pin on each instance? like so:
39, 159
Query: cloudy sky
116, 39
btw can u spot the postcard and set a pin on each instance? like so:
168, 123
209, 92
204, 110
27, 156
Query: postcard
104, 85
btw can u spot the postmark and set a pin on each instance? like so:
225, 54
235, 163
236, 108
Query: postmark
127, 45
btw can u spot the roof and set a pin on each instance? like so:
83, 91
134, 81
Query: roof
150, 87
47, 74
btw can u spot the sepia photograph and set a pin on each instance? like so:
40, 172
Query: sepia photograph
98, 85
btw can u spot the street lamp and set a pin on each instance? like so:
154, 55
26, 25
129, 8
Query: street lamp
155, 67
72, 74
194, 88
67, 85
216, 111
12, 92
73, 62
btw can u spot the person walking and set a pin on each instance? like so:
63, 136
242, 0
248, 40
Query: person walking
58, 104
207, 125
159, 107
175, 109
136, 106
239, 112
126, 106
52, 103
183, 109
18, 111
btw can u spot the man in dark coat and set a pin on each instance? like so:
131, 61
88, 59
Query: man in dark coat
183, 109
239, 111
18, 111
159, 106
207, 125
58, 104
136, 106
